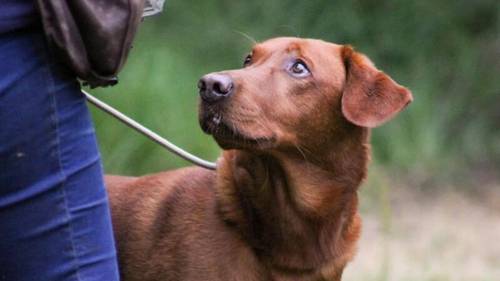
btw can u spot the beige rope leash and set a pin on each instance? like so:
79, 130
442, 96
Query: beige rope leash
148, 133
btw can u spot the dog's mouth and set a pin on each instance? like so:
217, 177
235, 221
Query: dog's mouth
227, 134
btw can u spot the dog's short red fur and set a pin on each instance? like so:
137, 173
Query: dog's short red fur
283, 203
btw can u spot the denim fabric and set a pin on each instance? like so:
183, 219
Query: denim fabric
54, 214
15, 14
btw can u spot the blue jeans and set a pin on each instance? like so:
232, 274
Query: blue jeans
54, 213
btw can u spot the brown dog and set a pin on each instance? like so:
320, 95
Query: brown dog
283, 203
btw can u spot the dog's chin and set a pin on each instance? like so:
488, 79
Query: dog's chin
228, 136
243, 142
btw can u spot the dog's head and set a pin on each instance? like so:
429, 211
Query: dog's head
295, 92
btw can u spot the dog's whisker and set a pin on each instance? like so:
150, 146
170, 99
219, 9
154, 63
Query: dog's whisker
250, 38
300, 151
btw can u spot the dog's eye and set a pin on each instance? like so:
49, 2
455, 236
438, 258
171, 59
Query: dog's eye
248, 60
299, 69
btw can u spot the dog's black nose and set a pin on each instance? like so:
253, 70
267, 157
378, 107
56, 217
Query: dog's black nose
215, 87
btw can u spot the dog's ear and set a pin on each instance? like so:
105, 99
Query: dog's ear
370, 97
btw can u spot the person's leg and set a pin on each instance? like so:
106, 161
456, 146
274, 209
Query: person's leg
54, 216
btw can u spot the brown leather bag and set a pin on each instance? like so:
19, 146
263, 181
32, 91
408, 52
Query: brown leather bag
93, 37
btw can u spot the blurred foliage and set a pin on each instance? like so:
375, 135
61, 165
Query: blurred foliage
446, 51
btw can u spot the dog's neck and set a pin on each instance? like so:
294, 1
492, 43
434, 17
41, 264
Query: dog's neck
295, 210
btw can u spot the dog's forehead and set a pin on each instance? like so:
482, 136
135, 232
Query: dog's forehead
316, 52
301, 45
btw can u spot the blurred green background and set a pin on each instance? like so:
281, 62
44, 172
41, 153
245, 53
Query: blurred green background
446, 144
447, 52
